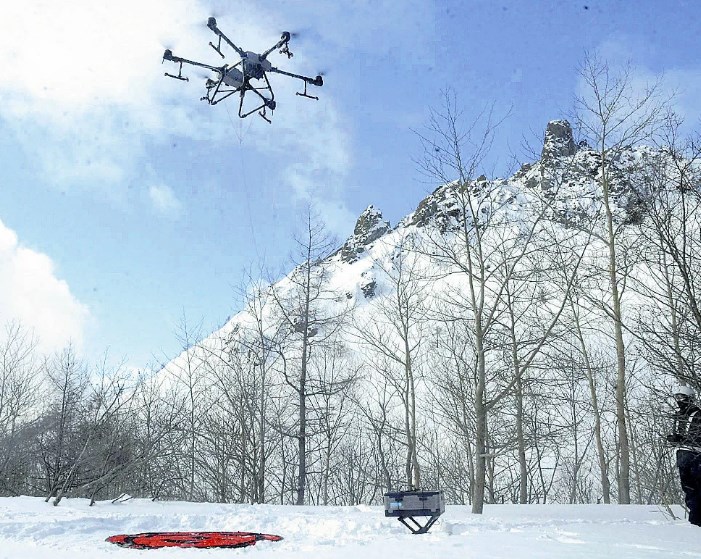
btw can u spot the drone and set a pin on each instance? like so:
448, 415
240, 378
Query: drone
248, 75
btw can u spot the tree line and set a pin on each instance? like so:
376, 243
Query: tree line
517, 346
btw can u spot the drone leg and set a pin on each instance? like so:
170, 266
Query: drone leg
225, 94
305, 93
180, 74
265, 118
268, 103
212, 93
243, 93
218, 47
211, 100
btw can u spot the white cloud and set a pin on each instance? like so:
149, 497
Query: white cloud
84, 92
31, 293
82, 88
87, 53
680, 85
164, 200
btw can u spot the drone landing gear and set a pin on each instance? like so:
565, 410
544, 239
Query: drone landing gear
305, 94
265, 102
261, 114
218, 47
211, 97
180, 74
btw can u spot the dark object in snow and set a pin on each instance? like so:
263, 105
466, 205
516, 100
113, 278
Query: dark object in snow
155, 540
689, 464
246, 75
687, 437
405, 505
368, 289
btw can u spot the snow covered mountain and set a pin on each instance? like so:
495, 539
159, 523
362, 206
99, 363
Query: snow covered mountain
366, 360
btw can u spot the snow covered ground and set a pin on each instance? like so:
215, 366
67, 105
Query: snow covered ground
31, 528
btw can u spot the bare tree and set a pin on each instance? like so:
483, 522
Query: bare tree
669, 324
187, 372
309, 310
377, 403
331, 412
98, 434
58, 446
394, 329
612, 115
477, 239
446, 160
160, 408
534, 305
590, 369
19, 368
241, 361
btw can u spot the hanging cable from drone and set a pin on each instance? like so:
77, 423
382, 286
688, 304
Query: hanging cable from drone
248, 75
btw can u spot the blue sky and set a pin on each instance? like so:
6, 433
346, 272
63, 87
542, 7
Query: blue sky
126, 203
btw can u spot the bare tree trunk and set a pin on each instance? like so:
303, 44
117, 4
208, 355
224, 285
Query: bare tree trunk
480, 427
302, 391
521, 443
600, 451
623, 442
414, 471
616, 116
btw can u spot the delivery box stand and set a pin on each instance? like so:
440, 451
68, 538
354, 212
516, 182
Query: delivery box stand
406, 505
418, 529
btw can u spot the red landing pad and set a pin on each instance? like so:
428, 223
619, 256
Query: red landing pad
154, 540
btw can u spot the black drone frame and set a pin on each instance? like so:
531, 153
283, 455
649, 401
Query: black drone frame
237, 78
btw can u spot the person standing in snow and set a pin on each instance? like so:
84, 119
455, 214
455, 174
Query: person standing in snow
687, 438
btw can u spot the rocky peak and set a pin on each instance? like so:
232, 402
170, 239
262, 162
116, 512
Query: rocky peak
369, 227
559, 141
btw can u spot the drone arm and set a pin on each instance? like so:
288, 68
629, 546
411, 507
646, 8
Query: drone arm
212, 24
317, 81
282, 42
168, 55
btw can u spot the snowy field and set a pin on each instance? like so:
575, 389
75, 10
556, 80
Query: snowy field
31, 528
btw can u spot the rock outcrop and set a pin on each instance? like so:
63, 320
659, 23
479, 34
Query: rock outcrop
369, 227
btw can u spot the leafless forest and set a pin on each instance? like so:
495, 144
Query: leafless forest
517, 344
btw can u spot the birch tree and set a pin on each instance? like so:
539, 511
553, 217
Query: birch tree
312, 316
394, 330
613, 115
19, 368
480, 247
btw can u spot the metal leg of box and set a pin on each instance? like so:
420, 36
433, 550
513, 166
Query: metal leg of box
417, 528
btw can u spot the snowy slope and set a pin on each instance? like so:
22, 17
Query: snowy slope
554, 195
32, 529
566, 175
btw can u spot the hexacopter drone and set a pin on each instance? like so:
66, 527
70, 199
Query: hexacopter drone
247, 75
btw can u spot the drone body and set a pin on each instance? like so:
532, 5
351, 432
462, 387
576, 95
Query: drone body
248, 75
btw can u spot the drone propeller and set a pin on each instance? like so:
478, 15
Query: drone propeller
213, 15
297, 33
319, 80
167, 45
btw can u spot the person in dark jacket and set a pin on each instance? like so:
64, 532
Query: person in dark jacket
687, 438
